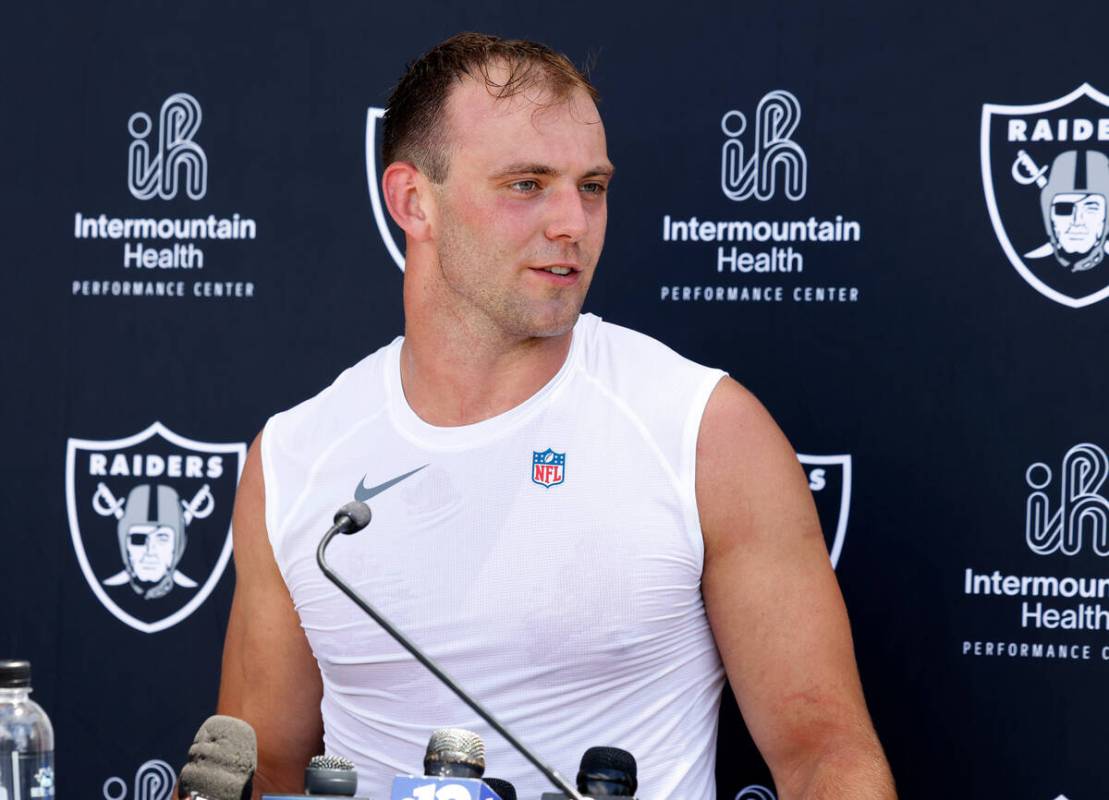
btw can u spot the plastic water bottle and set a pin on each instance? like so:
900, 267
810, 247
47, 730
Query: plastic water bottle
26, 738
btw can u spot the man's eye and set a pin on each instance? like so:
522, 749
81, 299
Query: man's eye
594, 188
525, 186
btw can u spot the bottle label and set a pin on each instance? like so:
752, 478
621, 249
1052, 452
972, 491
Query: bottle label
27, 776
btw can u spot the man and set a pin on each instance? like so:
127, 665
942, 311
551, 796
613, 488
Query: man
574, 520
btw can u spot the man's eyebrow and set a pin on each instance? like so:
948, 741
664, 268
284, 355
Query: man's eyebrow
602, 170
525, 168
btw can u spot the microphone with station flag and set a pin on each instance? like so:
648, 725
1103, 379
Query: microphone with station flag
604, 772
355, 516
453, 766
222, 761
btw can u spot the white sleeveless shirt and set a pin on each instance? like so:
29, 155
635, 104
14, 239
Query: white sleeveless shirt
549, 559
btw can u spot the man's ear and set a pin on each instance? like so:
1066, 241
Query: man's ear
408, 197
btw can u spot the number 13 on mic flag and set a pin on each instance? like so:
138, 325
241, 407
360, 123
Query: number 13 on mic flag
421, 788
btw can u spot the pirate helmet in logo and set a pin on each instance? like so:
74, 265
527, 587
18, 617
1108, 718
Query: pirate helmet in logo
152, 538
1074, 208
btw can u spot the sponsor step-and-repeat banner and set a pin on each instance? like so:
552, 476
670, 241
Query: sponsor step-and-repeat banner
891, 226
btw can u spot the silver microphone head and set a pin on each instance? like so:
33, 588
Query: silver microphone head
330, 775
455, 753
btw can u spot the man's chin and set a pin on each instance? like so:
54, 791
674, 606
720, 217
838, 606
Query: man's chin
556, 325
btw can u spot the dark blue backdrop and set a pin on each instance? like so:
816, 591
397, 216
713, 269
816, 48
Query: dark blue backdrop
942, 383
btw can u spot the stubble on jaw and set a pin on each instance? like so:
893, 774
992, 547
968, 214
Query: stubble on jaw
483, 287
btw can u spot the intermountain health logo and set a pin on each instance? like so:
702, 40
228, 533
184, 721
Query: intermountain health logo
154, 780
761, 245
1054, 606
773, 151
153, 173
158, 253
1079, 518
1046, 177
150, 520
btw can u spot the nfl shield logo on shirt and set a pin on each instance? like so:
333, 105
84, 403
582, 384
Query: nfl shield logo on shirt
548, 468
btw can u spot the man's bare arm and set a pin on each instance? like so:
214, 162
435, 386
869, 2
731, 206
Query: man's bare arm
776, 610
270, 677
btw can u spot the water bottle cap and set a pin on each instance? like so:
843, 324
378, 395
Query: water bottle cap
15, 674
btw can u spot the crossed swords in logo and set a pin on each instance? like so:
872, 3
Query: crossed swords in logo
107, 504
1026, 172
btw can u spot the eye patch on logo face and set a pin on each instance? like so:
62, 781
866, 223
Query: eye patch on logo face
1062, 209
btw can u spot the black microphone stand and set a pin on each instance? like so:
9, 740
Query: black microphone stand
344, 524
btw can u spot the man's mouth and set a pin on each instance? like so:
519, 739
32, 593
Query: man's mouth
558, 269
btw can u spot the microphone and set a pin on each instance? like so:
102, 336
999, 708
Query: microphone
504, 789
607, 772
453, 766
222, 761
351, 518
455, 753
604, 772
330, 775
325, 777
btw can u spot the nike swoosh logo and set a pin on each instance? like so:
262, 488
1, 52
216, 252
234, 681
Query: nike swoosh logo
362, 494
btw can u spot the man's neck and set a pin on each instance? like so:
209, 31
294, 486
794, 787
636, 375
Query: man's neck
459, 381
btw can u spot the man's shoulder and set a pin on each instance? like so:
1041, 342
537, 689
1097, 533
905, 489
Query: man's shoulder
358, 391
622, 355
662, 391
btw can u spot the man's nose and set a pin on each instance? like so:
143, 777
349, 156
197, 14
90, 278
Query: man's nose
568, 219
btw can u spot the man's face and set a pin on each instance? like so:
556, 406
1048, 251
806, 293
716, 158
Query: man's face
150, 549
523, 208
1078, 220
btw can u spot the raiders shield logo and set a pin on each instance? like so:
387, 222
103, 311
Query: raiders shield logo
830, 484
150, 519
373, 115
1045, 172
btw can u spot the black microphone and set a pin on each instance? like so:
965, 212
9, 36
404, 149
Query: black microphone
351, 518
607, 772
504, 789
222, 761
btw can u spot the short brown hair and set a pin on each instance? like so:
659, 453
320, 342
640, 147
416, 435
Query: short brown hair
413, 126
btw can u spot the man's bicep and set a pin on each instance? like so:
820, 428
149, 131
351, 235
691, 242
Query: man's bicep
270, 677
772, 598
